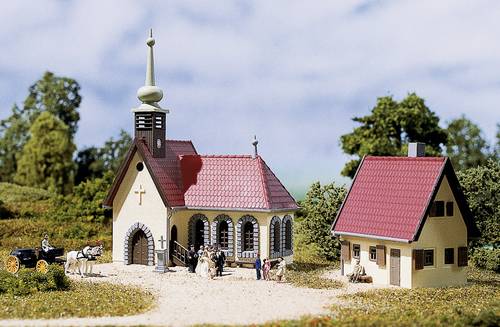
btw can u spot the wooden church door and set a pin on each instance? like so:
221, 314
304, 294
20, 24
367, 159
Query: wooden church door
140, 248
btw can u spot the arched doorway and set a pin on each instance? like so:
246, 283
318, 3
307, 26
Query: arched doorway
199, 234
139, 248
173, 238
139, 245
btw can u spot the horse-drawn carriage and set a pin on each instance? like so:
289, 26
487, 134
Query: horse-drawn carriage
34, 258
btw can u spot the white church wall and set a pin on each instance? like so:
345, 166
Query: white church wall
127, 211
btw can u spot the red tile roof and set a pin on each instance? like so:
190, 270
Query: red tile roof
186, 179
390, 197
232, 182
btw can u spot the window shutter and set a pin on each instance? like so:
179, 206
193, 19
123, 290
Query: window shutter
345, 251
381, 255
462, 256
418, 257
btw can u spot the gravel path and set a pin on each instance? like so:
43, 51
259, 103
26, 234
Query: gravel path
186, 299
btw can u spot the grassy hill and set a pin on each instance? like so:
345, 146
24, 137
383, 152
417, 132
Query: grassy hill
28, 213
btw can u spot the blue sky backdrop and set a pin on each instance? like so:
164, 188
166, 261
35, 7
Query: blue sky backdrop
292, 72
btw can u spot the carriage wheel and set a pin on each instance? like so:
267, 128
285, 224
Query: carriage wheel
12, 264
42, 266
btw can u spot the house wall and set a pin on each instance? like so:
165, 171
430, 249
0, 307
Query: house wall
381, 274
439, 233
127, 211
181, 219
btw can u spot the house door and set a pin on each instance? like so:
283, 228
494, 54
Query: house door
395, 272
140, 248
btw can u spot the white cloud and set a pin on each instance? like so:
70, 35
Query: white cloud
294, 72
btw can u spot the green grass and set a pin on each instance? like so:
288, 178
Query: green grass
84, 299
309, 275
476, 304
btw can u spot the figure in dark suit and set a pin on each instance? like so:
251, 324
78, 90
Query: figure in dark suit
220, 260
192, 259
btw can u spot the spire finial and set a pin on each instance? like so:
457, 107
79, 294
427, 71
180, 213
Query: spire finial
150, 94
255, 143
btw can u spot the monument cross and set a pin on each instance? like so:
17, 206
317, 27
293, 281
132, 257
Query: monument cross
140, 191
162, 240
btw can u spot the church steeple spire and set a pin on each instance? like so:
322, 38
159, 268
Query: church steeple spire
150, 118
150, 94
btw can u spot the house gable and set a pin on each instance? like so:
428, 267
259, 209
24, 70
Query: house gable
390, 198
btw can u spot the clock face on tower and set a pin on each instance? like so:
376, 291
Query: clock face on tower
158, 143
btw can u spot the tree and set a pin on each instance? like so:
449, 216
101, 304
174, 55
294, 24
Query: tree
46, 159
94, 162
390, 127
496, 149
320, 208
481, 186
57, 95
466, 146
14, 133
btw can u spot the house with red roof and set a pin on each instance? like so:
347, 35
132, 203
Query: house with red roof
166, 194
406, 220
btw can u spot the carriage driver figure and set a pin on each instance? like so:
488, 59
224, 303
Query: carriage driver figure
45, 243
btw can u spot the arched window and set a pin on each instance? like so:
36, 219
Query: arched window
288, 235
247, 231
223, 236
248, 236
277, 230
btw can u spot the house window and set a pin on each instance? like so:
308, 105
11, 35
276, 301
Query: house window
449, 209
356, 249
288, 235
449, 256
373, 253
223, 234
248, 236
429, 258
437, 209
277, 236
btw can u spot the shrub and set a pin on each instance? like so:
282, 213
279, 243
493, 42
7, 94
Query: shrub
30, 281
486, 258
4, 212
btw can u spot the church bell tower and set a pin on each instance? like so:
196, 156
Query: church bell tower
150, 119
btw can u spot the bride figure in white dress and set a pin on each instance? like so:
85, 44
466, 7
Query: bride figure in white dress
202, 267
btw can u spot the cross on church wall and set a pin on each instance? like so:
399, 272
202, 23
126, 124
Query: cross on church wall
140, 192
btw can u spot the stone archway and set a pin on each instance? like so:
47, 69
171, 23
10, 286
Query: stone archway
241, 235
275, 245
129, 239
198, 231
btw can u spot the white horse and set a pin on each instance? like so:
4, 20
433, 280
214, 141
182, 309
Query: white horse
83, 260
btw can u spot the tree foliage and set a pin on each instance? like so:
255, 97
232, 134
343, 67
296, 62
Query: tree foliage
86, 201
466, 146
46, 159
321, 205
57, 95
14, 133
481, 186
94, 162
390, 127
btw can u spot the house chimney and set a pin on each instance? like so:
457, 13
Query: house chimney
254, 143
416, 149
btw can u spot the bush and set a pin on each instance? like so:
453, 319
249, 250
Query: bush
30, 281
486, 258
4, 212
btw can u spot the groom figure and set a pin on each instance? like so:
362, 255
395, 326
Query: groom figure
220, 259
192, 259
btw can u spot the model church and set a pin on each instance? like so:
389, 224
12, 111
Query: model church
166, 190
